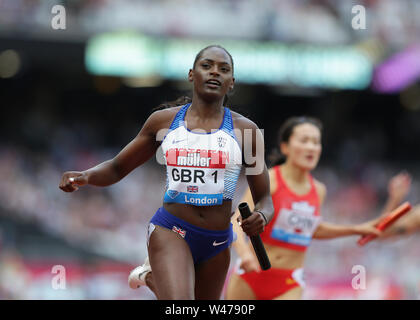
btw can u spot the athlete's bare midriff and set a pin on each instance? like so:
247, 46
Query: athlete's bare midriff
283, 258
206, 217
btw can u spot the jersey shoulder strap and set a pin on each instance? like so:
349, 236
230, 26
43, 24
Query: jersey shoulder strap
179, 117
227, 125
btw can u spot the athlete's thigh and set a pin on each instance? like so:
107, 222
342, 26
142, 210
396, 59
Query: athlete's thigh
292, 294
210, 276
172, 265
239, 289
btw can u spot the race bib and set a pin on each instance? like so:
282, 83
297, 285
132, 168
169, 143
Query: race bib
196, 176
296, 225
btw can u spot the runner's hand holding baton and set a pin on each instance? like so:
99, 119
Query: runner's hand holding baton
255, 240
386, 222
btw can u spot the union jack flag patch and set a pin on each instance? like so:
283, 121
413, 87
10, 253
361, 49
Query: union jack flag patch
180, 231
193, 189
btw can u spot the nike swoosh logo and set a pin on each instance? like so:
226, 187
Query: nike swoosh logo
219, 243
177, 141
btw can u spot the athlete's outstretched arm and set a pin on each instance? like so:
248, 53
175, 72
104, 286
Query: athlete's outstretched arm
137, 152
326, 230
398, 188
407, 225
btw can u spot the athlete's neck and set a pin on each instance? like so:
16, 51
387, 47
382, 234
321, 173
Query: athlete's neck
294, 174
206, 110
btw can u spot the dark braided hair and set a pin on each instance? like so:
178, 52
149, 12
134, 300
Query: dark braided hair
285, 132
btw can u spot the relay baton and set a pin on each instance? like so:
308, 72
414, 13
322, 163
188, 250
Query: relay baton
386, 221
256, 240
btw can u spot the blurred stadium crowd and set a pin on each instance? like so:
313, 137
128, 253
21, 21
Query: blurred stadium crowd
58, 118
325, 21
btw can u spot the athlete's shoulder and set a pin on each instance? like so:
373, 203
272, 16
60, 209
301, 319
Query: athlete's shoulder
242, 122
165, 113
321, 189
161, 119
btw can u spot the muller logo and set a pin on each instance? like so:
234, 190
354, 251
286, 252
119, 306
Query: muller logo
193, 160
181, 157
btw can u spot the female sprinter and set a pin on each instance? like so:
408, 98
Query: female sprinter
190, 235
297, 199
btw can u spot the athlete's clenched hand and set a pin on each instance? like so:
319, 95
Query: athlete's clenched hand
253, 225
